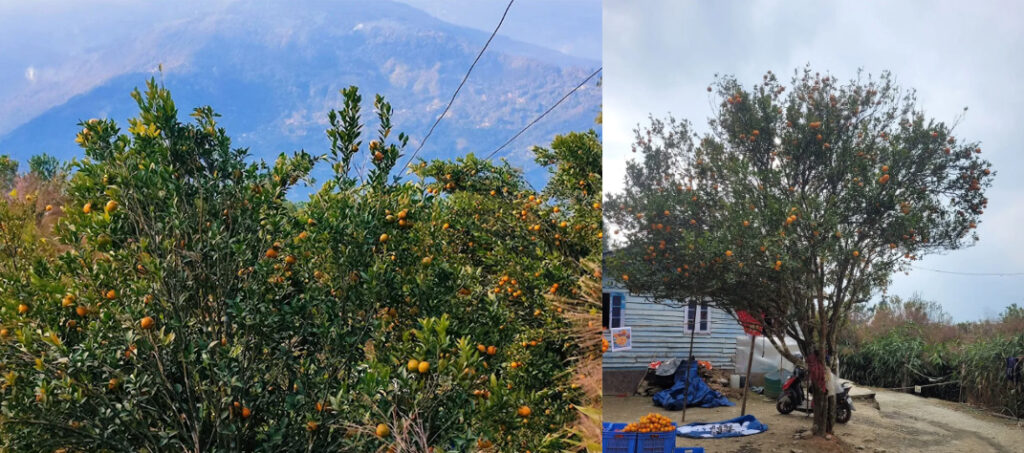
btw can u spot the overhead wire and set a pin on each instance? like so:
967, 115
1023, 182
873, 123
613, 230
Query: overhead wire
542, 115
459, 88
972, 274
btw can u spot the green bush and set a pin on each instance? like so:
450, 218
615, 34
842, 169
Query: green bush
189, 305
903, 358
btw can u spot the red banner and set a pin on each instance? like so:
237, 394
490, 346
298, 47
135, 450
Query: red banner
751, 325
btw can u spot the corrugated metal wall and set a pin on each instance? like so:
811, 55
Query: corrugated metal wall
658, 335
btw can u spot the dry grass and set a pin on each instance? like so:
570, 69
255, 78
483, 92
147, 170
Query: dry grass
583, 313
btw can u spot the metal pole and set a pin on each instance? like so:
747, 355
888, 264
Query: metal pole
746, 385
689, 360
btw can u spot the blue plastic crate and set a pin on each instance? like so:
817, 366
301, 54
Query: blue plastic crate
656, 442
689, 449
613, 440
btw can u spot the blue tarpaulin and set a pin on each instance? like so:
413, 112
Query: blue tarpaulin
699, 395
736, 427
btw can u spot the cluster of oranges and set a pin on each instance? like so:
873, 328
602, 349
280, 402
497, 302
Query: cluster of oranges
651, 423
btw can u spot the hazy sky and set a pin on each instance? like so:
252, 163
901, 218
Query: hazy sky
660, 56
570, 26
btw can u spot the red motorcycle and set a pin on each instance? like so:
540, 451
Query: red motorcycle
794, 394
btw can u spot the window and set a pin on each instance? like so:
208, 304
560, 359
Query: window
613, 310
699, 313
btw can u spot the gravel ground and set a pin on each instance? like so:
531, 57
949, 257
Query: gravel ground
904, 423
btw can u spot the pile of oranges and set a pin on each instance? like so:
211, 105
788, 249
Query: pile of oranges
651, 423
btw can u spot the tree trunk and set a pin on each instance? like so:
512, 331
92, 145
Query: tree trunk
824, 408
830, 417
820, 426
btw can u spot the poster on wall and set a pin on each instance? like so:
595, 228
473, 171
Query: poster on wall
622, 339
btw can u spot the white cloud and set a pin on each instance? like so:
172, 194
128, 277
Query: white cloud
30, 74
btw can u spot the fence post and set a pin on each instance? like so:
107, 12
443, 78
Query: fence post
746, 385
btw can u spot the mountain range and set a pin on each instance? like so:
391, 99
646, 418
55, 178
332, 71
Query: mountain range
273, 70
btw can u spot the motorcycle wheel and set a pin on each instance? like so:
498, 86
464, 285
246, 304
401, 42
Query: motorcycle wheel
785, 405
843, 413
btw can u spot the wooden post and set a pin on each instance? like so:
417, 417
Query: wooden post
746, 385
689, 359
963, 369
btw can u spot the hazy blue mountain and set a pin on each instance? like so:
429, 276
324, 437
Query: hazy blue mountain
274, 71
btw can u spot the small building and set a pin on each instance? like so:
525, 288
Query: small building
659, 331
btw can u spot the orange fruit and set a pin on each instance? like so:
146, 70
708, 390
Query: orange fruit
413, 365
22, 309
481, 348
491, 350
383, 430
303, 235
856, 253
290, 259
524, 411
112, 384
49, 207
312, 426
815, 124
246, 412
110, 207
424, 366
147, 322
81, 311
384, 237
68, 300
271, 253
4, 333
87, 208
110, 295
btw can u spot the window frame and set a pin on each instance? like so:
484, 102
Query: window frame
703, 316
611, 308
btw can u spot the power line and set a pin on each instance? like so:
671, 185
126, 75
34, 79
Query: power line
456, 93
973, 274
542, 115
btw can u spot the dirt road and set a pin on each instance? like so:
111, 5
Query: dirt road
904, 423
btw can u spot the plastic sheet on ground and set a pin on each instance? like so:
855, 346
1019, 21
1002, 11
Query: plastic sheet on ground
699, 395
740, 426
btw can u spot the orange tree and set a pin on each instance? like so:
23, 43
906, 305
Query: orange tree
193, 307
799, 204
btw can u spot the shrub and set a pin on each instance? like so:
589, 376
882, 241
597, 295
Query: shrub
193, 307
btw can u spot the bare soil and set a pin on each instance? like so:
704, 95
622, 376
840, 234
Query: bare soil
902, 423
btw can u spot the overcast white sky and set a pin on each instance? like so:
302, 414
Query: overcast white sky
660, 56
